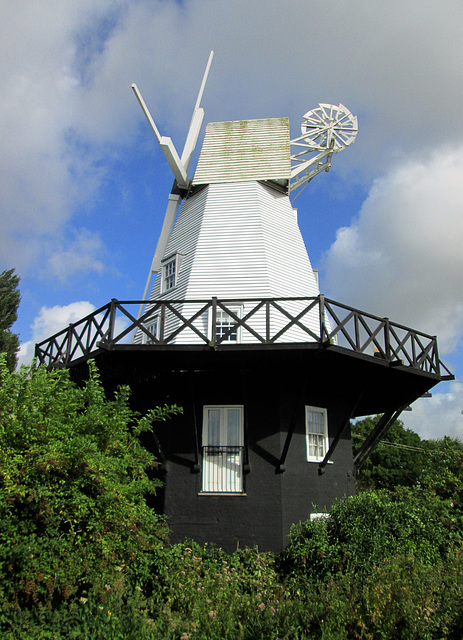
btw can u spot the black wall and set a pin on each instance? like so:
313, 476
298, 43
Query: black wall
273, 382
274, 401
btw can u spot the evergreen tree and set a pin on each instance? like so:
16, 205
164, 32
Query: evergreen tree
398, 460
9, 302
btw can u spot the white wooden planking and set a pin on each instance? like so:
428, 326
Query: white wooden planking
245, 150
240, 240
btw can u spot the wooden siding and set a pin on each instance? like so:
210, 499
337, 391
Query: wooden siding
245, 150
240, 240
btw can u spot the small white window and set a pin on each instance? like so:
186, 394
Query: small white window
152, 325
319, 516
169, 273
316, 424
225, 326
223, 449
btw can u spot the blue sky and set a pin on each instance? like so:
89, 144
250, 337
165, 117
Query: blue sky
84, 187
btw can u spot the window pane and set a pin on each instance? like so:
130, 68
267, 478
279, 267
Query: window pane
316, 422
222, 470
169, 275
224, 322
213, 427
233, 427
316, 434
152, 327
316, 445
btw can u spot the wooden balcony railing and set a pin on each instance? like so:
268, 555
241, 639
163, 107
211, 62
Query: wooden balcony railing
263, 321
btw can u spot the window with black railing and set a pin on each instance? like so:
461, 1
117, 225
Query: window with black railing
222, 469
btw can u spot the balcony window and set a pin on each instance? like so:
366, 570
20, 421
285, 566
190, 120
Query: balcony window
225, 326
151, 325
222, 449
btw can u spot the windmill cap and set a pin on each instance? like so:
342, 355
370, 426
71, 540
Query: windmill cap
244, 150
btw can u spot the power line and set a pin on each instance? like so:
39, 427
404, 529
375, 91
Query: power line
394, 444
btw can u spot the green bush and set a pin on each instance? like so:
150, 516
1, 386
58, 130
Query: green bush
443, 474
364, 530
83, 556
75, 528
407, 599
205, 593
403, 598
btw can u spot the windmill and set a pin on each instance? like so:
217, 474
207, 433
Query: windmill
268, 371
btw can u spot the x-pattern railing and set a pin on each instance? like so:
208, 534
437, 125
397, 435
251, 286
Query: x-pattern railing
265, 321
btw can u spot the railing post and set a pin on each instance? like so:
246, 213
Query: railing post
321, 311
214, 322
267, 321
435, 356
68, 345
358, 343
112, 319
162, 323
413, 341
38, 354
387, 340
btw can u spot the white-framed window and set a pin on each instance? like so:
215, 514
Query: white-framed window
319, 516
225, 322
169, 273
151, 325
223, 440
316, 425
170, 268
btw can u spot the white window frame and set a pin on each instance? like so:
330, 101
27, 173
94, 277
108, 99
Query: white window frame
222, 467
170, 267
235, 336
152, 325
317, 442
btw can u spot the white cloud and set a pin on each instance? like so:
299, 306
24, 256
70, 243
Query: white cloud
439, 416
43, 175
49, 321
402, 257
66, 109
52, 320
81, 256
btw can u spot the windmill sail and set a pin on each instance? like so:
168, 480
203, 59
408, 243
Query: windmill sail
179, 167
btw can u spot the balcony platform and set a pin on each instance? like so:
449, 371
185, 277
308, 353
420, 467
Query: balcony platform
350, 353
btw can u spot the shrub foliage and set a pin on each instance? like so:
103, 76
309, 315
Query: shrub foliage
73, 485
83, 556
9, 302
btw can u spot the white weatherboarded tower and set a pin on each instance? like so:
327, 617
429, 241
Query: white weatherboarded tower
236, 237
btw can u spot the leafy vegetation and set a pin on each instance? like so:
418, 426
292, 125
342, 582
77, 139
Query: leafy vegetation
74, 522
363, 531
404, 459
9, 302
83, 556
